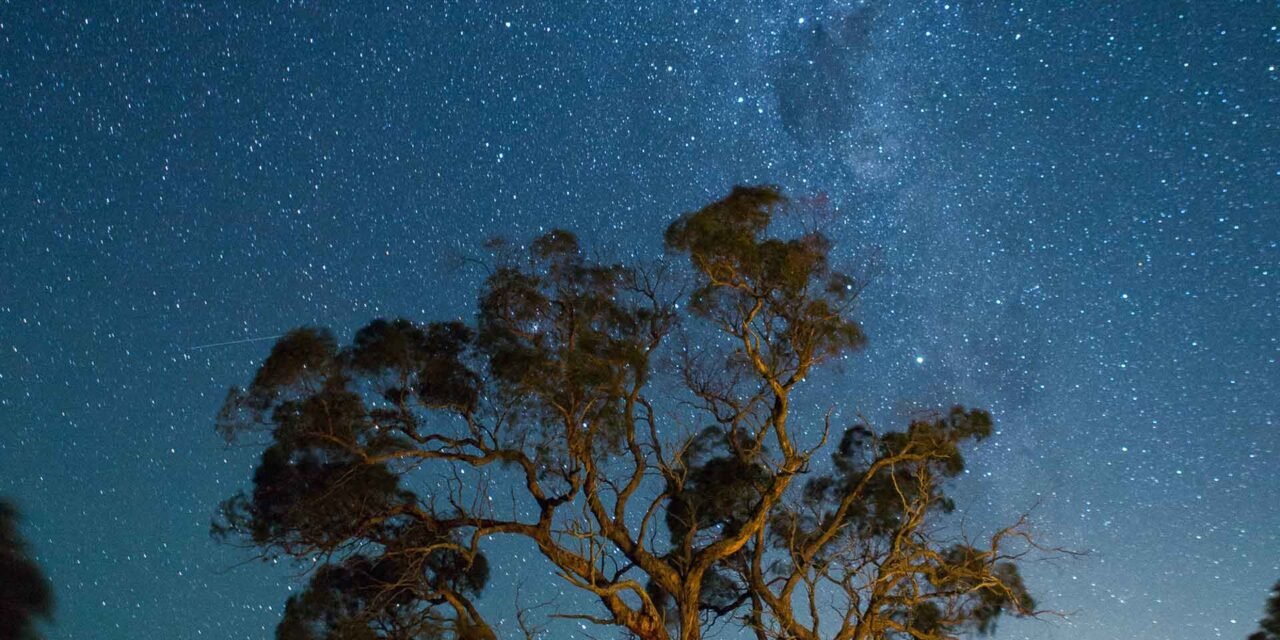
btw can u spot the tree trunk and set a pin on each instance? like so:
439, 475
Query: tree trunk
690, 613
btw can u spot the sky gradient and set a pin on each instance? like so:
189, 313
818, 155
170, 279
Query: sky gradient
1076, 208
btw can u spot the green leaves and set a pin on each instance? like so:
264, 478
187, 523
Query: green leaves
429, 362
718, 489
393, 596
996, 587
567, 339
780, 292
723, 238
929, 446
300, 357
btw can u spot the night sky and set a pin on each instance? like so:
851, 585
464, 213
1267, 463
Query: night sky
1076, 209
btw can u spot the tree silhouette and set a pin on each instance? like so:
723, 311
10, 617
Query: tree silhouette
1269, 625
24, 593
636, 425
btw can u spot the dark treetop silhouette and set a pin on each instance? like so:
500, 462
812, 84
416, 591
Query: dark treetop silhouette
24, 593
1269, 625
675, 485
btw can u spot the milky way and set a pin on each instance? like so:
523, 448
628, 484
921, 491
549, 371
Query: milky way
1075, 209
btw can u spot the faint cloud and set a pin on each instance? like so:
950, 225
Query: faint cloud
822, 84
819, 80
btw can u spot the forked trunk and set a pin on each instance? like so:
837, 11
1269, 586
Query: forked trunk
690, 619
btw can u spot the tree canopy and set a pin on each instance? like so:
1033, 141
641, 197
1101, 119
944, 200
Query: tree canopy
25, 596
1269, 625
638, 425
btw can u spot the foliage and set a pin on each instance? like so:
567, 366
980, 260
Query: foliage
25, 596
637, 424
1269, 625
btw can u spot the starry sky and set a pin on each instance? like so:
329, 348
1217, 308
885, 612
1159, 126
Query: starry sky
1076, 209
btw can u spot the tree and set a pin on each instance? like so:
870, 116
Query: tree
24, 593
637, 426
1269, 625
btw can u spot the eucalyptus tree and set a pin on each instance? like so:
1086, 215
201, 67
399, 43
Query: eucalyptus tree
637, 425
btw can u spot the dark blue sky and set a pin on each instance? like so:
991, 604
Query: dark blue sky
1077, 207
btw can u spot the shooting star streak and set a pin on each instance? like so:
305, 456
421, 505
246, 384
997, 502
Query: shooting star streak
231, 342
